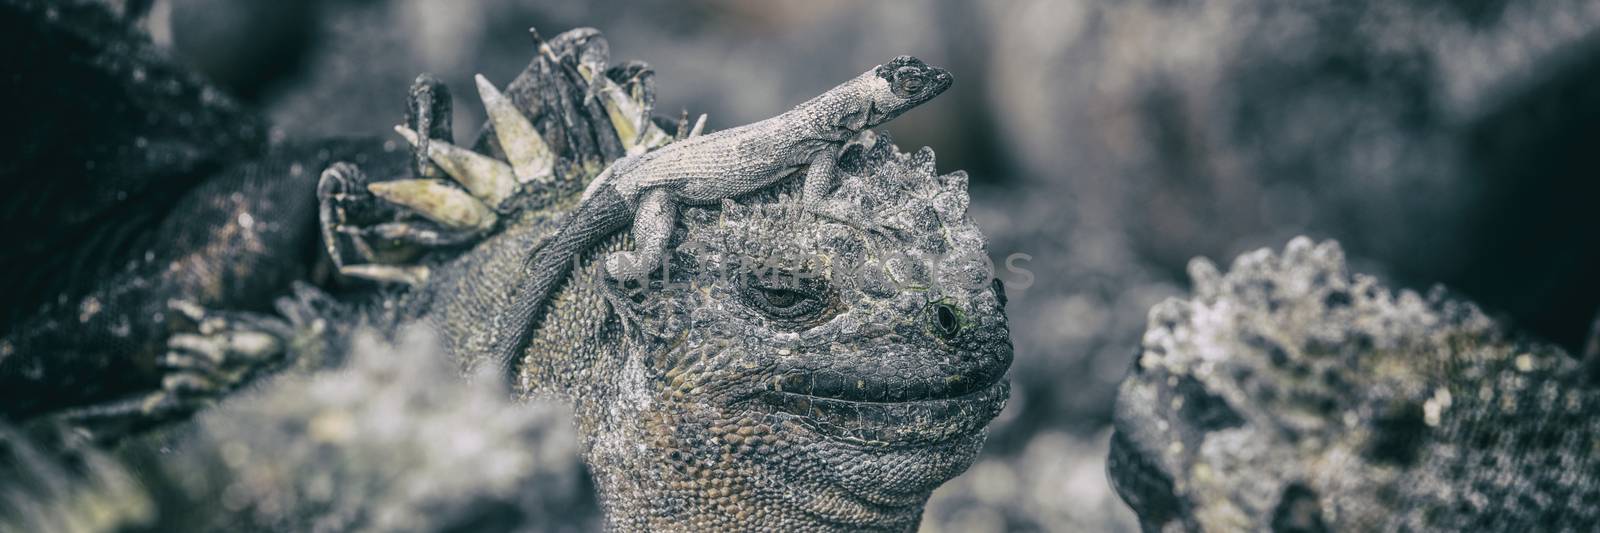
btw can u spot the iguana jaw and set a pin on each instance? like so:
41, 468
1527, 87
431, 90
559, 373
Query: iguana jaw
879, 385
894, 424
871, 404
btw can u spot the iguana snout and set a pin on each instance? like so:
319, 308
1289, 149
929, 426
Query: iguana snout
886, 377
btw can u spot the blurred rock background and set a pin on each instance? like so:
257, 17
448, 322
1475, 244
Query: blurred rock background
1439, 141
385, 438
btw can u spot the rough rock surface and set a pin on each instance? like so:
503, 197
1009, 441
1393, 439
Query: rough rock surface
1291, 395
393, 441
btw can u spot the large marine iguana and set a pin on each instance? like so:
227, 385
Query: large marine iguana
140, 184
788, 370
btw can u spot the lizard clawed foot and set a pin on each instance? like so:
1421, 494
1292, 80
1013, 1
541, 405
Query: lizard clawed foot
617, 298
227, 349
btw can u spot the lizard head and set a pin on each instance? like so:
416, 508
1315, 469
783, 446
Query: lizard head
897, 86
801, 371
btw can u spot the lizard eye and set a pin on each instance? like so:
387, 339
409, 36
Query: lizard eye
787, 300
909, 81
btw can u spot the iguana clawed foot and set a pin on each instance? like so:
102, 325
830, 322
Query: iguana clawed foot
428, 212
343, 197
630, 105
228, 348
383, 223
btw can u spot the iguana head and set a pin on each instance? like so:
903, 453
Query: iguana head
797, 371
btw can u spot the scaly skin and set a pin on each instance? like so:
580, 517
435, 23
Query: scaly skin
142, 186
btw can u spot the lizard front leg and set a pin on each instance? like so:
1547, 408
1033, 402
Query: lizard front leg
819, 177
652, 227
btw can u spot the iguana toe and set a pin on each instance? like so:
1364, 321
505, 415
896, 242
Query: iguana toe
226, 351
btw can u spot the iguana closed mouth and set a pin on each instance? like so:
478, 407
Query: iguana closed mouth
912, 422
884, 387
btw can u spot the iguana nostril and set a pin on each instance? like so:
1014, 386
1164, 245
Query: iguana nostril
945, 320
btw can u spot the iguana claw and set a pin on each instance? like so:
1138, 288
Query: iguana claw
226, 349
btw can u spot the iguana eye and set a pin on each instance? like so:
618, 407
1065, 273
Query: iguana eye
787, 300
781, 298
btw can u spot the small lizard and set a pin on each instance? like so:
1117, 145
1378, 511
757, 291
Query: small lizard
647, 189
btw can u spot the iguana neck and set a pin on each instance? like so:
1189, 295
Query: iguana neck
573, 347
582, 355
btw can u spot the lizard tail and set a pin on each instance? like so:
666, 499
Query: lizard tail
601, 214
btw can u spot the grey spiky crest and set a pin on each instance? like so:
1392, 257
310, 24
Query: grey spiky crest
895, 194
906, 196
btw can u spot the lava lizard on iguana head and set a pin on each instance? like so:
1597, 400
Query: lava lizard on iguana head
648, 189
